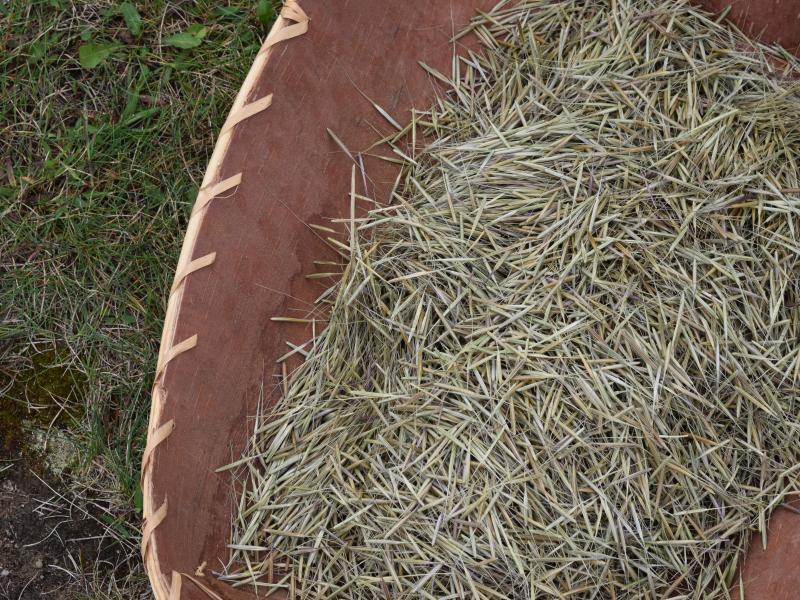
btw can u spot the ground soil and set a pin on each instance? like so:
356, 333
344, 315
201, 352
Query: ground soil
48, 539
40, 546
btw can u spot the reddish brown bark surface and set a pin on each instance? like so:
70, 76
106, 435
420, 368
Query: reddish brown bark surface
294, 174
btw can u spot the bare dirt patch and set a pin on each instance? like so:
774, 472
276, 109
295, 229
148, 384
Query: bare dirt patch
43, 548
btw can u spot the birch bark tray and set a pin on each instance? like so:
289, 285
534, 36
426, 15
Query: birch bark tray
275, 169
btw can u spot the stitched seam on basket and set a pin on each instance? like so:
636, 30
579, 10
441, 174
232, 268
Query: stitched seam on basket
195, 265
292, 12
150, 526
287, 33
248, 110
158, 436
208, 193
175, 352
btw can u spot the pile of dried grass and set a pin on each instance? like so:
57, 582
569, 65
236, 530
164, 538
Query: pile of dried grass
565, 361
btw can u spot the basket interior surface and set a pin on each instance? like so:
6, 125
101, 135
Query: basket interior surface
355, 53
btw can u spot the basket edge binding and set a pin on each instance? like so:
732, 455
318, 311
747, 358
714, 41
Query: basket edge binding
292, 22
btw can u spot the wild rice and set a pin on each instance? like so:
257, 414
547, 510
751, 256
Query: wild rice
564, 362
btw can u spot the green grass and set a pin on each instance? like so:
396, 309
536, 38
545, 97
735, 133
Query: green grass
99, 168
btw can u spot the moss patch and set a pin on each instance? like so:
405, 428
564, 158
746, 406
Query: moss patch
36, 399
